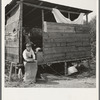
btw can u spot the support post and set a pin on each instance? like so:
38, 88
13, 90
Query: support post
86, 18
68, 15
42, 29
65, 69
15, 70
42, 20
89, 66
20, 32
10, 73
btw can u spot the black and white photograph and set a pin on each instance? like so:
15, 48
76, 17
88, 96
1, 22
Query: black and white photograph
48, 44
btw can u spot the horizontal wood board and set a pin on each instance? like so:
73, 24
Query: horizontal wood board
65, 42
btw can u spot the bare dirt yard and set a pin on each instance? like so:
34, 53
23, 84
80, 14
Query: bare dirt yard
86, 79
57, 82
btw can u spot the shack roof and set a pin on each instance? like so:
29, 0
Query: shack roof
47, 4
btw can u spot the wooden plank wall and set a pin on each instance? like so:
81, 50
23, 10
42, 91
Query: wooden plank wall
65, 42
12, 42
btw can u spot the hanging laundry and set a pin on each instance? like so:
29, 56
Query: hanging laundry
79, 20
60, 18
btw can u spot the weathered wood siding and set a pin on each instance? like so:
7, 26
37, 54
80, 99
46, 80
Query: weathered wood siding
12, 44
65, 42
12, 37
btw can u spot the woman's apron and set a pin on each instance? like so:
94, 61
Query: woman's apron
30, 71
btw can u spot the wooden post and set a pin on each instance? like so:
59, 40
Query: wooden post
86, 18
89, 66
10, 73
42, 20
42, 29
65, 68
15, 70
68, 15
20, 32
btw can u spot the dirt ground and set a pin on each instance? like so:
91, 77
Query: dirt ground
86, 79
54, 81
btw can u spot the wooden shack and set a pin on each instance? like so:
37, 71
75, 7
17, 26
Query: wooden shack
60, 42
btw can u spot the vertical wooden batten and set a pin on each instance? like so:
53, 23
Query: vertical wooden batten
65, 68
86, 18
68, 15
42, 28
20, 31
42, 20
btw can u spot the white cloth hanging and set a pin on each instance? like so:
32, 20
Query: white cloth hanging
59, 17
79, 20
62, 19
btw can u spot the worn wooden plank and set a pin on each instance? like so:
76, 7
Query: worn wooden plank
85, 43
56, 59
60, 29
12, 43
59, 49
65, 35
81, 28
10, 73
42, 19
65, 40
21, 30
47, 45
70, 55
86, 18
78, 54
67, 28
52, 40
12, 50
65, 44
63, 24
84, 48
12, 57
81, 43
65, 68
65, 49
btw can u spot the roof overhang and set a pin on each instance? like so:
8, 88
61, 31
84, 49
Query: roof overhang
47, 4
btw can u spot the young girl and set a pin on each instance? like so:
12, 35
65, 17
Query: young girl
30, 64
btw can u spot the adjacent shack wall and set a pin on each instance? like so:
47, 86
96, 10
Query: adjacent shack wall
12, 36
65, 42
